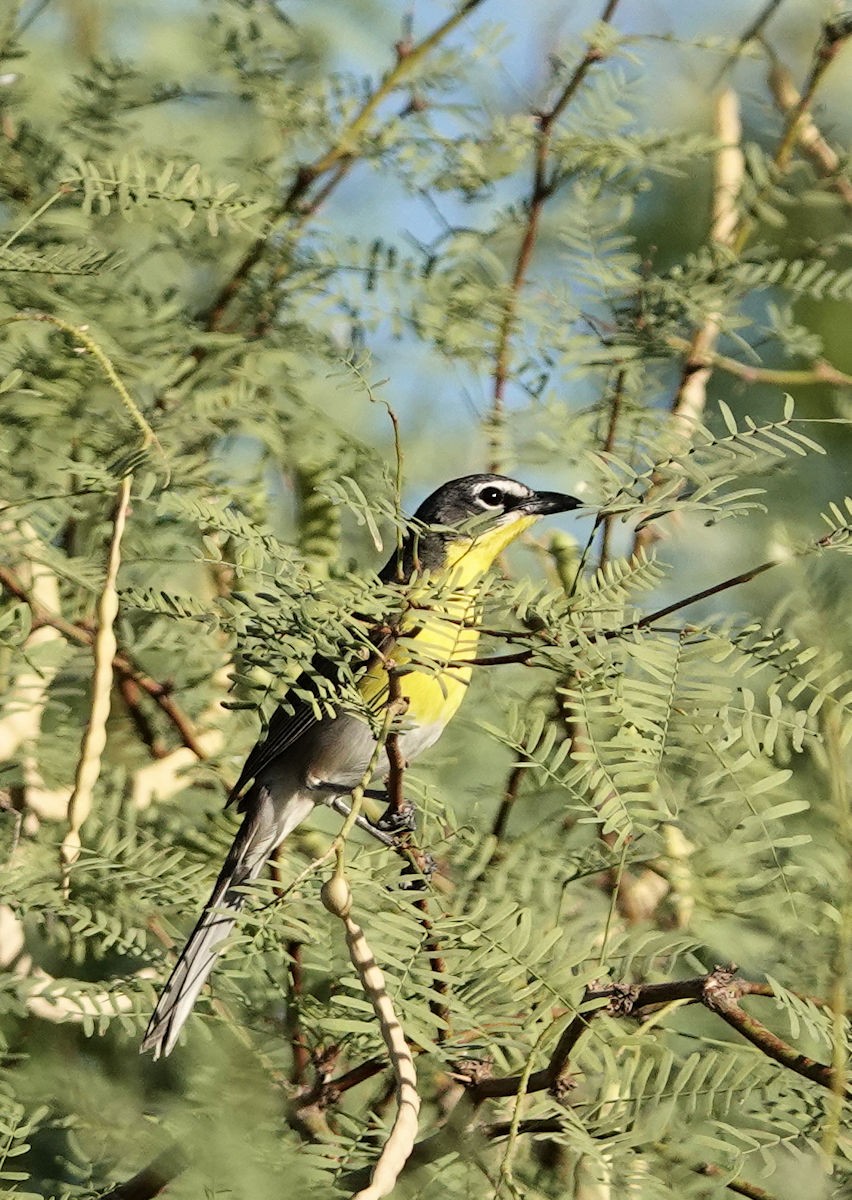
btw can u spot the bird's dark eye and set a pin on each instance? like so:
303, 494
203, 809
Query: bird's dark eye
491, 496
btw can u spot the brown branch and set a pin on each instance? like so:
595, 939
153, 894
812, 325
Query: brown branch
704, 594
542, 189
719, 992
153, 1178
834, 34
732, 581
438, 967
510, 795
495, 1130
334, 1088
395, 782
608, 447
337, 158
621, 1000
396, 811
820, 373
720, 996
822, 155
544, 186
148, 735
298, 1046
751, 33
690, 399
523, 657
122, 664
739, 1187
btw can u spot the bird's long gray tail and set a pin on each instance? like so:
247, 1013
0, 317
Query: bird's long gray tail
261, 831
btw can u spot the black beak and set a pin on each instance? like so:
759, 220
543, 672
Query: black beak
543, 503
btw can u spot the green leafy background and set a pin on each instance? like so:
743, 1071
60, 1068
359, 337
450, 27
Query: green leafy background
679, 789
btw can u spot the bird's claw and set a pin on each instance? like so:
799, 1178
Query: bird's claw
398, 820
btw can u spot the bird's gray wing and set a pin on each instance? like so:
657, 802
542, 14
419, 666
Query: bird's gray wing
289, 722
296, 716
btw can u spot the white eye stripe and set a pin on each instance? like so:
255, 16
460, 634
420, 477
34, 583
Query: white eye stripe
506, 488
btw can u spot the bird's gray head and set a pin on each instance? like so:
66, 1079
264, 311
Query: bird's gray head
472, 506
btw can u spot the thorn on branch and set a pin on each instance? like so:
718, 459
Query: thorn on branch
836, 31
719, 992
623, 998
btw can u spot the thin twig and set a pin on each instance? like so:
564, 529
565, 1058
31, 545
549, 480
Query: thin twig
740, 1187
752, 32
834, 34
33, 15
298, 1046
823, 156
826, 541
438, 967
148, 735
608, 447
337, 156
394, 784
544, 186
524, 656
510, 795
820, 374
690, 398
832, 38
397, 805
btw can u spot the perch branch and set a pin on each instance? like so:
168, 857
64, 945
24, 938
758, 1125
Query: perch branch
820, 373
153, 1178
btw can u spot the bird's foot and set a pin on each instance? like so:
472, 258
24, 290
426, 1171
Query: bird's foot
398, 820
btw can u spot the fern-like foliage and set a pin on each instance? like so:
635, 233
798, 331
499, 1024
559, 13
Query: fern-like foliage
324, 272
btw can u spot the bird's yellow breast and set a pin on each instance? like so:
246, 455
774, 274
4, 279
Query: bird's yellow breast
439, 631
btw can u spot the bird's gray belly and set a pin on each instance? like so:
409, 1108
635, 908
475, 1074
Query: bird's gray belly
340, 750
